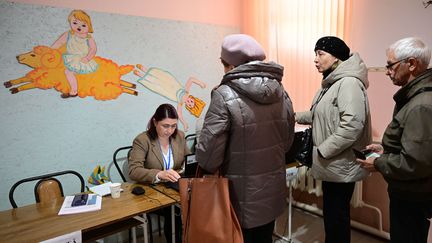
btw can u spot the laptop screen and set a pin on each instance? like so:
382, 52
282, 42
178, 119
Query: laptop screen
191, 165
190, 169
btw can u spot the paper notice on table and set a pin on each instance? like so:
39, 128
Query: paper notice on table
94, 202
102, 189
75, 237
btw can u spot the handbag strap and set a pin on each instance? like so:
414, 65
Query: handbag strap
199, 173
189, 193
320, 96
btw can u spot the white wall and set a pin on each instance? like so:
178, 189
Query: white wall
376, 25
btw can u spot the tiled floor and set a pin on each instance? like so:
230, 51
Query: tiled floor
306, 228
309, 228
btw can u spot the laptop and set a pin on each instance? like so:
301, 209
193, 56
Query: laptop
191, 165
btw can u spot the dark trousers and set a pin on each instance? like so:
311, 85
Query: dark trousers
409, 220
260, 234
336, 211
166, 212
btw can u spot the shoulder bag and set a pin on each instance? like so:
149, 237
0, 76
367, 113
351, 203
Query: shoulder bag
207, 213
302, 147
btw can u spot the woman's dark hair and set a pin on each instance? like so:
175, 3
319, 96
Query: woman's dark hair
162, 112
224, 63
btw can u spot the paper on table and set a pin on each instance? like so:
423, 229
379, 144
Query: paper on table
102, 189
94, 202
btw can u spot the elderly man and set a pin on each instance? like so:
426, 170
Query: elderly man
406, 151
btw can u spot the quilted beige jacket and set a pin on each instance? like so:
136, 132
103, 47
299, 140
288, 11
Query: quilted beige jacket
341, 121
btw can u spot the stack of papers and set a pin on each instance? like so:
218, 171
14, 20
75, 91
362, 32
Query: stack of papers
102, 189
94, 202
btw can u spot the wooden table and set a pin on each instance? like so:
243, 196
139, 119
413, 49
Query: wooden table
169, 192
173, 194
37, 222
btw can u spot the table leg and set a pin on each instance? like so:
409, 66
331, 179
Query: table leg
282, 237
289, 212
144, 220
173, 223
133, 235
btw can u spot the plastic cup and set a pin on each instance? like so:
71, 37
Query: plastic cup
115, 189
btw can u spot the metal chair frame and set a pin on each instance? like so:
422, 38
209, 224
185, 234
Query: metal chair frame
120, 171
40, 179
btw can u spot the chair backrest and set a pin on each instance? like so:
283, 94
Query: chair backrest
48, 191
124, 166
47, 188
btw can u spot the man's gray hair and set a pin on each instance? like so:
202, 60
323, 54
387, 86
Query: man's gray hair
411, 47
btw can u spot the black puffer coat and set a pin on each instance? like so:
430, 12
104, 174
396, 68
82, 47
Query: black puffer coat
248, 128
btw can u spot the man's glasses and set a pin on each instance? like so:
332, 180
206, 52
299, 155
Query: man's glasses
390, 65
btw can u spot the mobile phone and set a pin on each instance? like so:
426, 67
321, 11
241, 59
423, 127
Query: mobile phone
361, 154
79, 200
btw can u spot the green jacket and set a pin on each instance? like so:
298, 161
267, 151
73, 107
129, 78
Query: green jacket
407, 160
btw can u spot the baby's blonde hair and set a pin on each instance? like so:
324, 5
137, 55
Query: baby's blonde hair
198, 107
81, 16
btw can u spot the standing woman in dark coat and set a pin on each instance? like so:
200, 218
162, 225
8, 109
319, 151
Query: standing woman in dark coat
248, 128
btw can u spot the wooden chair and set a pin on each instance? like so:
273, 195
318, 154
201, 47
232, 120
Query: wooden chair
48, 189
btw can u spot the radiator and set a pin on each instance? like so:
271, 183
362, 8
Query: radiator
305, 182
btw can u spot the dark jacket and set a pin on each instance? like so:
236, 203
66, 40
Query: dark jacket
407, 160
248, 128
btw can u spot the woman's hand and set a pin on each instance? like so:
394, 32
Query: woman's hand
376, 148
168, 175
367, 164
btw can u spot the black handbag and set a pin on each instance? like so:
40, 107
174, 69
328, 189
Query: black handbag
301, 149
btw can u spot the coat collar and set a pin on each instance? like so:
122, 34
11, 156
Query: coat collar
155, 149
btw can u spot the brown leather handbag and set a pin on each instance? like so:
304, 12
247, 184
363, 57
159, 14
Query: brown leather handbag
207, 213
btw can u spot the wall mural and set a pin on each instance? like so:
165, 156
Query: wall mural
71, 67
138, 63
164, 83
49, 72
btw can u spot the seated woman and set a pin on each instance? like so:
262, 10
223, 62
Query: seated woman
158, 154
